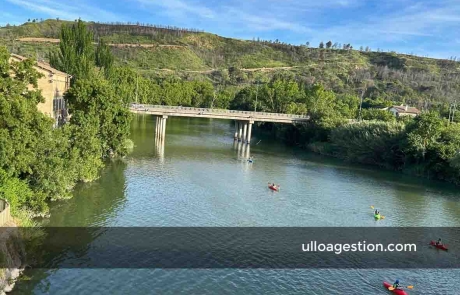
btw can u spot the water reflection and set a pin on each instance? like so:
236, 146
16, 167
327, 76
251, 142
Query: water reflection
160, 148
243, 150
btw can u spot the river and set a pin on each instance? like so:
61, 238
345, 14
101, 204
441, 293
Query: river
200, 178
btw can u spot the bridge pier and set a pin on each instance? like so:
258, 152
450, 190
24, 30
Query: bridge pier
160, 127
243, 131
248, 138
157, 126
240, 131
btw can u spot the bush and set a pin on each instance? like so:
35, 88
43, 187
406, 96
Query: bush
376, 143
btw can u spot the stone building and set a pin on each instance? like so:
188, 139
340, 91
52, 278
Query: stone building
53, 85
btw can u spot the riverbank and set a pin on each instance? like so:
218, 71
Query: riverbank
12, 257
426, 146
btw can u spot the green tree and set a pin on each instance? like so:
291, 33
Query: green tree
376, 143
97, 102
104, 58
423, 134
379, 115
17, 193
76, 51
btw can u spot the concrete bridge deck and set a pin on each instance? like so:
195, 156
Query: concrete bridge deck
176, 111
243, 119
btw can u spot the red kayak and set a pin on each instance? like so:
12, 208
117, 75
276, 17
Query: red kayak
442, 247
273, 188
396, 291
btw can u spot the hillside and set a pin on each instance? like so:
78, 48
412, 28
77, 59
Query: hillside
191, 54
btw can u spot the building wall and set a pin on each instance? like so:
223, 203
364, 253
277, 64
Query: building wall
408, 114
396, 113
53, 85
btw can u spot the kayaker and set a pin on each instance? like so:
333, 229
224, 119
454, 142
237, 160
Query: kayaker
439, 242
376, 212
396, 284
274, 185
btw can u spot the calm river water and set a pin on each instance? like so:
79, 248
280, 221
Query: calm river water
200, 178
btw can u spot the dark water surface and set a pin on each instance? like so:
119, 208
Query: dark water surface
200, 178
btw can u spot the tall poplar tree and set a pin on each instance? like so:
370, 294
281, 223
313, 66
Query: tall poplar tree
76, 55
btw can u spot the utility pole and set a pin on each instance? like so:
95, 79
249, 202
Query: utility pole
361, 106
257, 92
137, 85
453, 111
450, 112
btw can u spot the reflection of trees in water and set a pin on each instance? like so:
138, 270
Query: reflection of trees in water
93, 203
143, 135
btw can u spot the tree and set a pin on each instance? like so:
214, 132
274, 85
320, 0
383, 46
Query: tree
24, 132
379, 115
76, 51
321, 45
95, 102
104, 58
328, 44
16, 192
423, 134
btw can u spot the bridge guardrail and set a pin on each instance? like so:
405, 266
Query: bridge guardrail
216, 111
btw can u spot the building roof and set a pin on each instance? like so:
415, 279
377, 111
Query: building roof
41, 65
410, 110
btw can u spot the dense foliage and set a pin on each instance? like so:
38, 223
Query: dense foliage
39, 162
427, 146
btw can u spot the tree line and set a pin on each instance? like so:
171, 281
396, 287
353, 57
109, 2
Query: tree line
38, 162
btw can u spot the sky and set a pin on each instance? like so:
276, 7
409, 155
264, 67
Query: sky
426, 28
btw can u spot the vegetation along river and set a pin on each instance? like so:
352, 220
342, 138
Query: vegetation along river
200, 178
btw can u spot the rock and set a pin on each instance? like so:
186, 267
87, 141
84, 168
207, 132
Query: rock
15, 273
9, 287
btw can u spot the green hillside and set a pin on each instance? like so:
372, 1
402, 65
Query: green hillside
190, 54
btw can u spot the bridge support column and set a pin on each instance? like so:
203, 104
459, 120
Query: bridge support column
236, 130
245, 129
163, 126
157, 126
248, 139
240, 130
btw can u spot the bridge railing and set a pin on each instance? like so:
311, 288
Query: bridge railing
146, 107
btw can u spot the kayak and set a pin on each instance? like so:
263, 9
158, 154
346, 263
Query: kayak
396, 291
250, 161
273, 188
442, 247
377, 216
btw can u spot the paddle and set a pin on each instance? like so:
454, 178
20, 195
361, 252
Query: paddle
392, 288
381, 216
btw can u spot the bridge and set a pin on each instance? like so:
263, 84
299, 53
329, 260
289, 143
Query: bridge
243, 119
